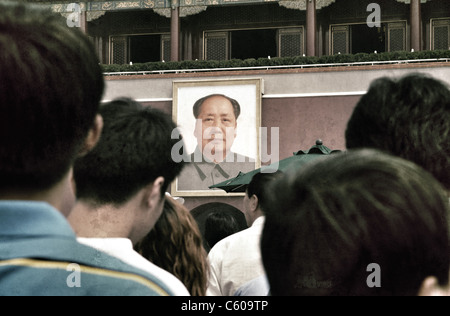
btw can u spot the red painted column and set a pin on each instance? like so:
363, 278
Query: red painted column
175, 34
416, 25
311, 27
83, 22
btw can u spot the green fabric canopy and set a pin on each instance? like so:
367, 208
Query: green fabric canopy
240, 182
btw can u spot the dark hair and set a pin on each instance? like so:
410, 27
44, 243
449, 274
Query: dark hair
259, 185
202, 212
134, 149
408, 117
51, 85
119, 106
219, 225
234, 103
329, 221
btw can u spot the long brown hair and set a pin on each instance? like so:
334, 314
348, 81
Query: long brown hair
176, 245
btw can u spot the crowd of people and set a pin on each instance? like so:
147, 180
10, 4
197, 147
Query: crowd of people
84, 208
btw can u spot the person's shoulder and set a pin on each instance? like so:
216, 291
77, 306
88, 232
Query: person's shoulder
127, 260
122, 249
172, 283
66, 267
38, 277
230, 240
176, 287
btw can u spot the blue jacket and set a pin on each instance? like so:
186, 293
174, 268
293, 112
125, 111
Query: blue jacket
39, 255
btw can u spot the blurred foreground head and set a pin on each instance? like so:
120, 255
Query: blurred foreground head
407, 117
50, 90
329, 223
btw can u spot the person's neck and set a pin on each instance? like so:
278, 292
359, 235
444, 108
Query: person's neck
105, 221
61, 196
258, 213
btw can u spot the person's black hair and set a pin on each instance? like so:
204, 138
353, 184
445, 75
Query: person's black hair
259, 185
119, 106
219, 225
235, 104
408, 117
202, 212
329, 222
134, 149
51, 84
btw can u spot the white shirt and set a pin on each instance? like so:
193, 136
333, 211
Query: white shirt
122, 248
256, 287
236, 260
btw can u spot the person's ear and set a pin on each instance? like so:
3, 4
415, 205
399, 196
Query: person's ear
254, 203
154, 196
430, 287
93, 136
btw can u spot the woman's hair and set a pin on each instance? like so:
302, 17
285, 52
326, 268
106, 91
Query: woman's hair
176, 245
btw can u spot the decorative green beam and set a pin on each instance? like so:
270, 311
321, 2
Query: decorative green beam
102, 5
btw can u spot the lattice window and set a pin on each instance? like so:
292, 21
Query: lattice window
165, 47
340, 39
119, 50
290, 42
440, 34
396, 36
216, 46
236, 16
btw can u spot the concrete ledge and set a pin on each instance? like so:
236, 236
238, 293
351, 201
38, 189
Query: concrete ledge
328, 81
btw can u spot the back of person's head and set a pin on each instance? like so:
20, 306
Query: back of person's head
176, 245
408, 117
134, 149
328, 223
202, 212
51, 85
110, 110
259, 185
219, 225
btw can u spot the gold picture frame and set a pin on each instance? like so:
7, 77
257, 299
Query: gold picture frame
199, 173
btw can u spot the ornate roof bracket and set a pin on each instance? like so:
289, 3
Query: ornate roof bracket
94, 15
409, 1
301, 4
192, 10
65, 10
97, 8
165, 12
184, 11
90, 15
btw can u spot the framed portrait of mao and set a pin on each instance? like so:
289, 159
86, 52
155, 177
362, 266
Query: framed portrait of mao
220, 124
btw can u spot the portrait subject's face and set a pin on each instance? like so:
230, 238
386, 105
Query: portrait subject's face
215, 128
